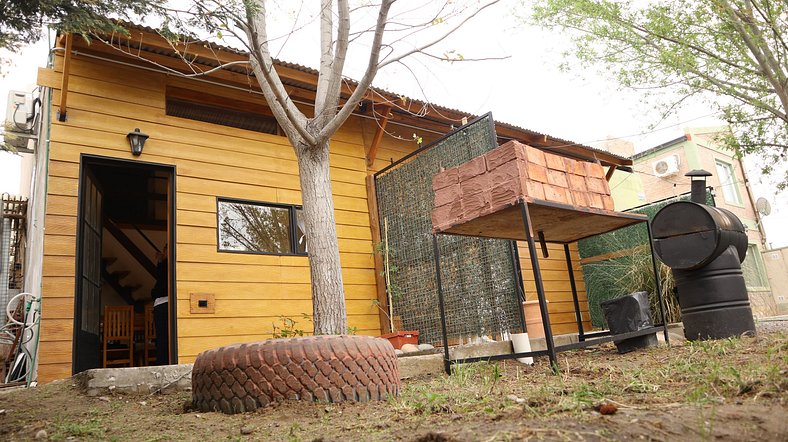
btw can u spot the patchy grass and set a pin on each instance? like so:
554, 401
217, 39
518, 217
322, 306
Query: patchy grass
733, 389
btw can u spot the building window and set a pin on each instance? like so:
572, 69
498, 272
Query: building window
753, 270
183, 103
254, 227
728, 183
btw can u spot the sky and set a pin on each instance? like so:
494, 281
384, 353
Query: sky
518, 80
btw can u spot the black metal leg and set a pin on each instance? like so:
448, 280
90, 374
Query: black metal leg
548, 332
657, 284
580, 335
518, 283
446, 361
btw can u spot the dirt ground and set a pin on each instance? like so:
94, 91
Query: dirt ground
735, 389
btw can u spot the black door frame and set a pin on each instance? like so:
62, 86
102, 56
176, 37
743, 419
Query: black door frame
86, 161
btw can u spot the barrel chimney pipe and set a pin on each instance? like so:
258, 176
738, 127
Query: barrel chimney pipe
698, 180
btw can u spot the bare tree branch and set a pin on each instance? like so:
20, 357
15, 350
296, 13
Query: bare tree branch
439, 39
292, 120
366, 79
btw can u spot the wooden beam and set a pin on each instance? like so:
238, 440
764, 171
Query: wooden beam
48, 78
373, 149
61, 115
614, 255
130, 247
609, 173
380, 282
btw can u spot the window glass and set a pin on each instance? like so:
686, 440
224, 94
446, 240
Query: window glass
251, 227
300, 232
730, 188
753, 269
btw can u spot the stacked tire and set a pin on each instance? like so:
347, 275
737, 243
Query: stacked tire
245, 377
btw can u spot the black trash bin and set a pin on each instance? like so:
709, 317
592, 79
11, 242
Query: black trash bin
627, 314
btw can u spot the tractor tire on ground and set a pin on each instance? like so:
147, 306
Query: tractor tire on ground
245, 377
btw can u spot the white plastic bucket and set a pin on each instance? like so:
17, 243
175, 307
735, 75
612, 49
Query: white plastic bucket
522, 344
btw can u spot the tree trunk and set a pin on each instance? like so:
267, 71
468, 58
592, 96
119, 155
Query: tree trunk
328, 296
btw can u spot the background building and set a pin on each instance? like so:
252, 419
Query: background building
660, 173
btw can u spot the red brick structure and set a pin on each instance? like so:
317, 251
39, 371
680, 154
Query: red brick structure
502, 176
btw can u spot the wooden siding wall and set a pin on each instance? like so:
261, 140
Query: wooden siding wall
105, 102
555, 278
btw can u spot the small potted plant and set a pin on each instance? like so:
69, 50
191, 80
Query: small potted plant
400, 338
396, 337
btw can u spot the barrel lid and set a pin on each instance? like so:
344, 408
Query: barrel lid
682, 218
689, 235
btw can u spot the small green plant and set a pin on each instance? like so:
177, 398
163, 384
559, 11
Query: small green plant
462, 373
706, 423
428, 402
491, 378
292, 434
586, 395
637, 274
288, 329
389, 272
87, 429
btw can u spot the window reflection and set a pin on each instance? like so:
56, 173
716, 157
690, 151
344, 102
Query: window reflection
259, 228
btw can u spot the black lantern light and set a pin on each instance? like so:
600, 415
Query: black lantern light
698, 182
137, 141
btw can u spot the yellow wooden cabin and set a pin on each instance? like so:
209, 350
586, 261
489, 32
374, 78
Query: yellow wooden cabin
211, 145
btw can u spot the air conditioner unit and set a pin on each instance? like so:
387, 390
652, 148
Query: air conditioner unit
19, 122
666, 166
19, 112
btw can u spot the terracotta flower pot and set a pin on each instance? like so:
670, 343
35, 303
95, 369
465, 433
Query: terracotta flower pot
400, 338
533, 319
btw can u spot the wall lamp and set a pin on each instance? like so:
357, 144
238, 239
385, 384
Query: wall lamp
137, 141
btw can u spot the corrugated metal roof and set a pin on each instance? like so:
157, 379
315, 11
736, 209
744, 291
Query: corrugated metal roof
665, 145
382, 92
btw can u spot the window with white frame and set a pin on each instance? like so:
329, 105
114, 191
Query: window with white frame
728, 183
754, 270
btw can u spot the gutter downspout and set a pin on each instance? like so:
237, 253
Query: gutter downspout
36, 213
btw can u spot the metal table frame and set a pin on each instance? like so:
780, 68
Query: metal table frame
584, 339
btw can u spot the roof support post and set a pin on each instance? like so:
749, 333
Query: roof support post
386, 322
373, 149
61, 114
610, 171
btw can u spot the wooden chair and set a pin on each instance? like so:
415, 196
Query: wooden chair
149, 346
118, 328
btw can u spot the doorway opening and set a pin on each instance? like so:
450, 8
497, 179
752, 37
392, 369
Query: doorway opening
124, 305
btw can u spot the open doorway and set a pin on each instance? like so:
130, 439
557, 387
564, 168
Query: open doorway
125, 273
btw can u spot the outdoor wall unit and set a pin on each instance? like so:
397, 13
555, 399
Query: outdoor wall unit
19, 119
666, 166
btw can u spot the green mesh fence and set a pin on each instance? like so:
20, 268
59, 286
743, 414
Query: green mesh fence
479, 284
605, 279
